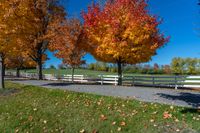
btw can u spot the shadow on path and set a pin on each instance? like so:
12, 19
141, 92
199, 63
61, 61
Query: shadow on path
16, 79
188, 110
69, 84
189, 98
57, 84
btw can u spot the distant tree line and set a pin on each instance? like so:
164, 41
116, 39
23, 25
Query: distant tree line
183, 66
102, 66
139, 68
178, 66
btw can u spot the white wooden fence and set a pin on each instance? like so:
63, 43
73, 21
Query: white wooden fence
158, 81
50, 77
192, 82
77, 78
22, 74
103, 79
108, 79
168, 81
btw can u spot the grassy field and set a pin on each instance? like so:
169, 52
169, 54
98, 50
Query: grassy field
35, 109
68, 71
79, 71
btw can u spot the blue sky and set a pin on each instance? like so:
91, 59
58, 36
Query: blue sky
181, 21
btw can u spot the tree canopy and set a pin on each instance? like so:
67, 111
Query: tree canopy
122, 32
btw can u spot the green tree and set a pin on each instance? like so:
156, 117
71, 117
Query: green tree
52, 67
177, 65
191, 65
91, 66
61, 66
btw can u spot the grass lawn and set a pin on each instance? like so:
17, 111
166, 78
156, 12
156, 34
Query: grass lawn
68, 71
79, 71
35, 109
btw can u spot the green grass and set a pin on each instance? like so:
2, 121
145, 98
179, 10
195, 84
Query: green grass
68, 71
35, 109
80, 71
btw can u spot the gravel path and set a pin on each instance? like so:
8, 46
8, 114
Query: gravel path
165, 96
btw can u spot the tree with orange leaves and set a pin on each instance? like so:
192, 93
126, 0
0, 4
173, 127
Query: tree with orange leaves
123, 32
19, 59
38, 18
66, 41
7, 33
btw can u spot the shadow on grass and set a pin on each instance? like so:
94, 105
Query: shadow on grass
68, 84
8, 92
190, 98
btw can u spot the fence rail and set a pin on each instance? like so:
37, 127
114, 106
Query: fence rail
154, 81
76, 78
163, 81
168, 81
108, 79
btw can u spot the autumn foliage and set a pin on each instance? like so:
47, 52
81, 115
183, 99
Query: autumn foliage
123, 32
66, 43
25, 27
116, 31
39, 18
18, 62
8, 37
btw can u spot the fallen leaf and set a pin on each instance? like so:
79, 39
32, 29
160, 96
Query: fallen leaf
45, 121
94, 131
166, 115
152, 120
113, 123
194, 118
16, 130
123, 123
176, 120
103, 117
155, 125
119, 129
30, 118
154, 112
82, 131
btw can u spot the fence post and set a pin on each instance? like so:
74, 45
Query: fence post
115, 81
176, 86
82, 78
101, 79
153, 79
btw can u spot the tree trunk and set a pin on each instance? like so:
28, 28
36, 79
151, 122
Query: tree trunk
18, 72
73, 74
2, 86
39, 69
4, 70
119, 64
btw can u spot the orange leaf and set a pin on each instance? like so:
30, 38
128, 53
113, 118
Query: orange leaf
103, 117
166, 115
122, 123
